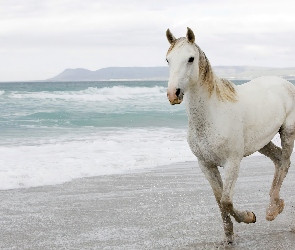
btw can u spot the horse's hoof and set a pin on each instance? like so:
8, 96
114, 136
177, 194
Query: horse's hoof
254, 218
274, 209
228, 240
251, 217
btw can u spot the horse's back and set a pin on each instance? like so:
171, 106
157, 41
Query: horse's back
267, 90
266, 83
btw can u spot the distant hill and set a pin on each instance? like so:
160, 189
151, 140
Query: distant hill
113, 73
162, 73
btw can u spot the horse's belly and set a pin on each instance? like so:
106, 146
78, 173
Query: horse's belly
253, 144
256, 137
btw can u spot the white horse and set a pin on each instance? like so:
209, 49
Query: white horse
228, 122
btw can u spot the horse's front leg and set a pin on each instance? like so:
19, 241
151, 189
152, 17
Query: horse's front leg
213, 176
231, 175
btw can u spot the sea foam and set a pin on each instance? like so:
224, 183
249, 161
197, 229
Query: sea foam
110, 152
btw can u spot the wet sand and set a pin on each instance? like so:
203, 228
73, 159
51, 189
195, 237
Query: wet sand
170, 207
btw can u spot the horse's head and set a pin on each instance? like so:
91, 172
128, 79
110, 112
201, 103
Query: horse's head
183, 60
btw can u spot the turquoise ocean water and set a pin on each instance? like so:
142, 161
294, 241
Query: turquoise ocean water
52, 132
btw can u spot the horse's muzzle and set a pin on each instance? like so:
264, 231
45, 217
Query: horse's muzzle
175, 101
175, 96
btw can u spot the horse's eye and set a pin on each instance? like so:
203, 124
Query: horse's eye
191, 59
167, 61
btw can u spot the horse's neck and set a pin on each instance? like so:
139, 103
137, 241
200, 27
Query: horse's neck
198, 105
202, 106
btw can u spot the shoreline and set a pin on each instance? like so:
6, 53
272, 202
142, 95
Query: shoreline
168, 207
122, 172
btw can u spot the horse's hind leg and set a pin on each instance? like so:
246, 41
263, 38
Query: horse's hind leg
213, 176
276, 205
275, 154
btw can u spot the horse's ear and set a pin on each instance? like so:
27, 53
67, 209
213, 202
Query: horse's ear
170, 37
190, 35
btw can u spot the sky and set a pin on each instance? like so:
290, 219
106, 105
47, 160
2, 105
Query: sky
40, 39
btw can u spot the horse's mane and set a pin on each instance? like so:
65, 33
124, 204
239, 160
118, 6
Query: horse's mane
224, 88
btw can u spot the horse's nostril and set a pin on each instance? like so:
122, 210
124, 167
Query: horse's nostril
177, 92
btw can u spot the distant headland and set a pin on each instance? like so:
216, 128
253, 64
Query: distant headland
162, 73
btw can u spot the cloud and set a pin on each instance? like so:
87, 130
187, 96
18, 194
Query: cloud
38, 39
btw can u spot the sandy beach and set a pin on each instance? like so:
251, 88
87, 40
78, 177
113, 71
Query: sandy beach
169, 207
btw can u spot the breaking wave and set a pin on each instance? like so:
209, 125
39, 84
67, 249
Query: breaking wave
96, 94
